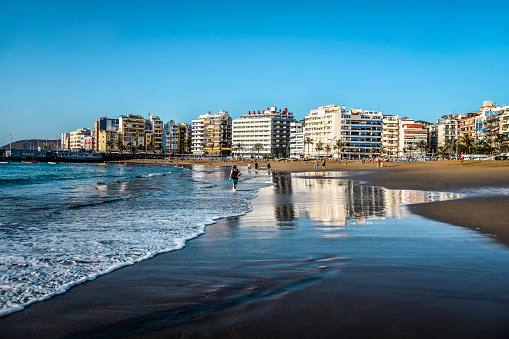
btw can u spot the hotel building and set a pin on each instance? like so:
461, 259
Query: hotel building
361, 132
269, 128
411, 135
390, 136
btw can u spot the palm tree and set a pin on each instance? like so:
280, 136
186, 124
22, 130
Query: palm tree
130, 145
467, 143
151, 146
120, 145
422, 145
308, 141
109, 145
339, 146
239, 148
258, 147
449, 145
443, 151
327, 149
319, 147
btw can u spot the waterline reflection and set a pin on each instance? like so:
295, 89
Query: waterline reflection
338, 202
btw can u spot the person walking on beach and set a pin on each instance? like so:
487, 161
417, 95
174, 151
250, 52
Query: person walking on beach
256, 165
268, 166
234, 177
323, 164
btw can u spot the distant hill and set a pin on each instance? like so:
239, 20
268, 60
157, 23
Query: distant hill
33, 144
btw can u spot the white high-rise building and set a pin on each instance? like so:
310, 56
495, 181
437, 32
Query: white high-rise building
296, 140
264, 133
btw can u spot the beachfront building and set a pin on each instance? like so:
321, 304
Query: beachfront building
77, 139
211, 134
390, 136
265, 133
323, 128
443, 132
106, 134
153, 134
467, 125
131, 129
177, 137
412, 137
361, 133
297, 139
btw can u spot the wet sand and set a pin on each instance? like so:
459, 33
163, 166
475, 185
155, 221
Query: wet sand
278, 274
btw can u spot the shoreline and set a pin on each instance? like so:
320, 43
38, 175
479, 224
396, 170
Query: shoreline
485, 212
275, 273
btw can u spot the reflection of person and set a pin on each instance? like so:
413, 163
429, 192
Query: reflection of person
234, 177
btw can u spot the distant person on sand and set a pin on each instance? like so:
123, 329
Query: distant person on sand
234, 177
323, 164
256, 165
268, 166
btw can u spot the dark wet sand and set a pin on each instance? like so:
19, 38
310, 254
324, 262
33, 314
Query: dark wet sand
256, 277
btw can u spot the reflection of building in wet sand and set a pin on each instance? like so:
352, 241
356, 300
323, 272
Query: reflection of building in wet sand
336, 201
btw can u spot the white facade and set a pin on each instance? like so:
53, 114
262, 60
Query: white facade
323, 125
269, 128
390, 135
443, 130
296, 140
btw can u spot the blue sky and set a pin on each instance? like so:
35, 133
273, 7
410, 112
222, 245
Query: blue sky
64, 64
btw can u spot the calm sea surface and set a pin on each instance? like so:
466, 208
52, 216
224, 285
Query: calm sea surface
63, 224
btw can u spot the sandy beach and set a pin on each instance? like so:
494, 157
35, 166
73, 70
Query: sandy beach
292, 269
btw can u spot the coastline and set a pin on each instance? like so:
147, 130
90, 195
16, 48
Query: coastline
485, 211
280, 272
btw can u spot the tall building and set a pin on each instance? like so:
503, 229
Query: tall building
445, 129
77, 139
411, 135
153, 134
132, 131
269, 128
323, 126
212, 134
390, 135
361, 132
297, 140
65, 142
177, 138
106, 134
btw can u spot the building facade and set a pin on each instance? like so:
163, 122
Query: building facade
297, 140
323, 128
77, 139
177, 138
106, 135
361, 133
269, 129
212, 134
131, 130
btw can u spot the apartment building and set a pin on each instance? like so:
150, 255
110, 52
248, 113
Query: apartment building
177, 138
269, 128
361, 131
445, 129
390, 136
106, 134
65, 141
297, 140
323, 127
132, 131
153, 134
412, 135
77, 139
212, 134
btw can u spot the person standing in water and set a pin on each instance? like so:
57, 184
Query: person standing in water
234, 177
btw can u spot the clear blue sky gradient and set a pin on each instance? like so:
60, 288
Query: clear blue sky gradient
64, 64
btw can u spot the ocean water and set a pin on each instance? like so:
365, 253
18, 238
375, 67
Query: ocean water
63, 224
